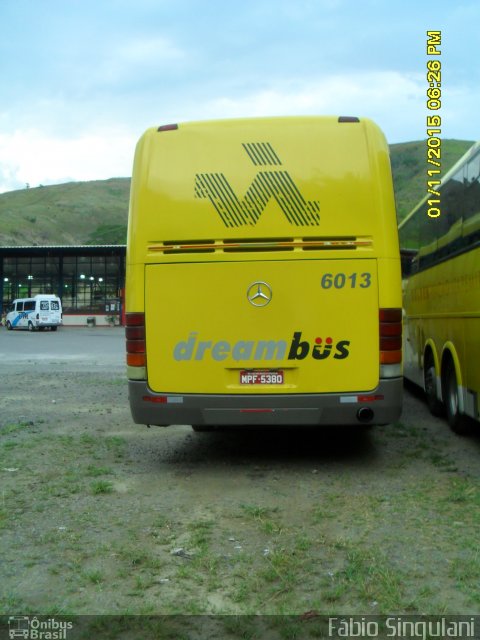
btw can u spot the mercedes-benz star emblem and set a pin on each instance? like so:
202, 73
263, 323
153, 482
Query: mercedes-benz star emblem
259, 294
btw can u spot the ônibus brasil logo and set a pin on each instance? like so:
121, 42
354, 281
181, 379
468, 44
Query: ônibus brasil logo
261, 350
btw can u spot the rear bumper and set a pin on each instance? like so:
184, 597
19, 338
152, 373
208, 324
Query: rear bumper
47, 323
263, 410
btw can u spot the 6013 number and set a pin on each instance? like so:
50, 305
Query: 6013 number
342, 280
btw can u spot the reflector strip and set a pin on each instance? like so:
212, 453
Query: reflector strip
370, 398
163, 399
361, 398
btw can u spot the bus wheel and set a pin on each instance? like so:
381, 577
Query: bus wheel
31, 327
9, 326
457, 421
434, 404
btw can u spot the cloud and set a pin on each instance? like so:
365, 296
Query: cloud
394, 100
32, 157
95, 149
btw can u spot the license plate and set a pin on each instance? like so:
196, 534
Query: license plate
261, 377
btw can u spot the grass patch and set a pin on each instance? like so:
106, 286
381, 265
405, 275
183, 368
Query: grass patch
94, 576
94, 471
101, 487
463, 491
200, 533
263, 516
15, 428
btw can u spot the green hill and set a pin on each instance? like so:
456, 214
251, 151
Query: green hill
96, 212
73, 213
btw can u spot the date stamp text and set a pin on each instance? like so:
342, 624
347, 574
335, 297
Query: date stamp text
434, 122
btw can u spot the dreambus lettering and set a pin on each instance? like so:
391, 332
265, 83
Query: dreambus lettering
298, 349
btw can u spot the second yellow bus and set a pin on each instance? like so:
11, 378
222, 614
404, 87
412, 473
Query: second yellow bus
442, 295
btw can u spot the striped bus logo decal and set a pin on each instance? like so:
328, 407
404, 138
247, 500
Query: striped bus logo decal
268, 183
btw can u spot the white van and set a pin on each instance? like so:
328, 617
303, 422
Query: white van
35, 313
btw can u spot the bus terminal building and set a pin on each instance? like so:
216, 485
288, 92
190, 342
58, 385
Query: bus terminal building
89, 279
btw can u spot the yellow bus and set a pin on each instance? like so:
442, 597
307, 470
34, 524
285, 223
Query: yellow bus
263, 281
442, 294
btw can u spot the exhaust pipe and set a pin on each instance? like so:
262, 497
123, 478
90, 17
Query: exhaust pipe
365, 415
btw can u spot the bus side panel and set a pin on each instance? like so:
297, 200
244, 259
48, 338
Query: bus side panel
441, 306
471, 305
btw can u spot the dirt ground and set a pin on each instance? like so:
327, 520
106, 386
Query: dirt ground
101, 516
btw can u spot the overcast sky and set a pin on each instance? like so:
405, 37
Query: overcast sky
80, 80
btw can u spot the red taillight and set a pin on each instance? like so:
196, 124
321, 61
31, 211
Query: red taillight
390, 329
135, 335
390, 344
390, 315
390, 334
135, 346
135, 319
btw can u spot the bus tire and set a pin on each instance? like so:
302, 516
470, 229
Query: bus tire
9, 326
31, 327
457, 421
429, 380
53, 328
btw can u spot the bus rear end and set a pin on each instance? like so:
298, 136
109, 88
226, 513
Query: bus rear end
263, 276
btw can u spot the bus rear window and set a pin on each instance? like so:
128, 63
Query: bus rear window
44, 305
54, 305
